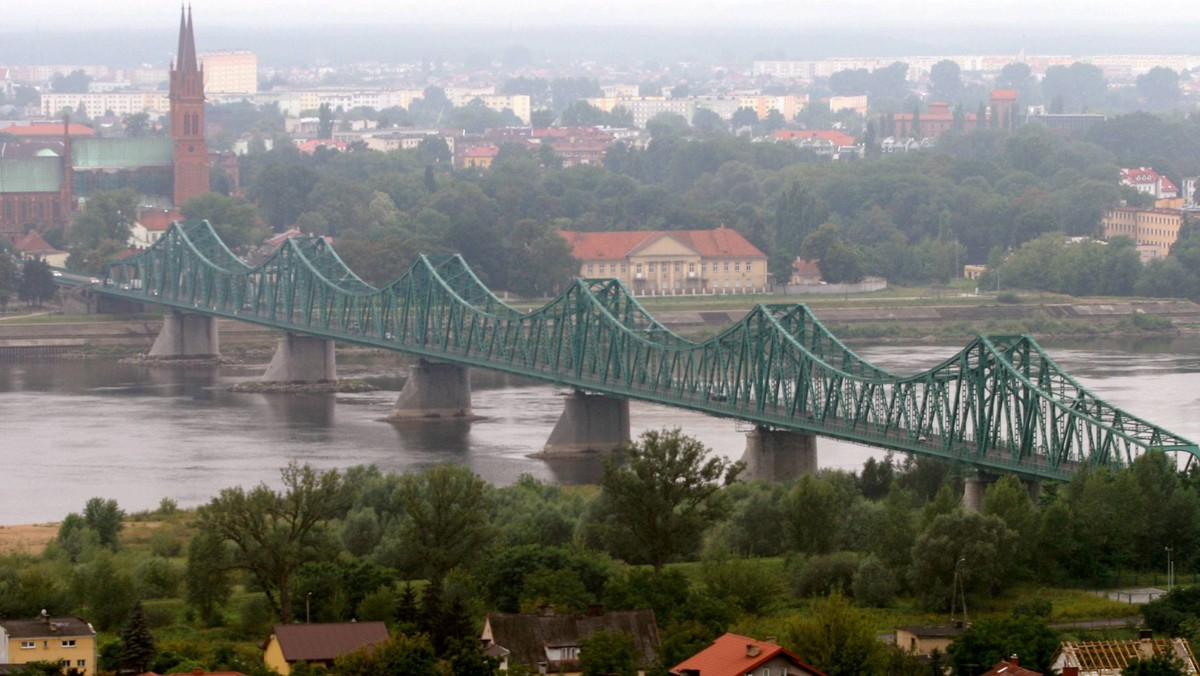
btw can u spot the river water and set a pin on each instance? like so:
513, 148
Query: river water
71, 430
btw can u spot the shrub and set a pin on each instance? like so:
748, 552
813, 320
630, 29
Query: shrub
1008, 298
873, 584
819, 575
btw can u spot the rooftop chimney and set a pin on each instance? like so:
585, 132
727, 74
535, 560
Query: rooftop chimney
752, 650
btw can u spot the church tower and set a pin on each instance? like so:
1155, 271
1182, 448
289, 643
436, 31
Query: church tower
187, 116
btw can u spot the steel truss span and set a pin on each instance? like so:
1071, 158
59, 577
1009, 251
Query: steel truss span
1001, 404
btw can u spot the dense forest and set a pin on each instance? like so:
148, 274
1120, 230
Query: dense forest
670, 528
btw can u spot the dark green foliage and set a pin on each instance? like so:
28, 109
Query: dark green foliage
37, 282
105, 518
662, 499
990, 640
137, 643
445, 521
606, 653
825, 573
836, 638
1159, 665
207, 576
399, 655
1170, 614
874, 584
979, 548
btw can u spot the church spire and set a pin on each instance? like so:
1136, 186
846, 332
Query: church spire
185, 55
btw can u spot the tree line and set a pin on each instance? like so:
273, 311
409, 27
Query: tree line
431, 552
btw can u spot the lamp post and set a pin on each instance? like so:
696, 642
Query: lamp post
307, 613
1170, 570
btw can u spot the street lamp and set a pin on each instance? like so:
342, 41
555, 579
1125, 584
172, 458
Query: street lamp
958, 589
1170, 570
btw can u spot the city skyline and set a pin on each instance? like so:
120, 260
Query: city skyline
26, 15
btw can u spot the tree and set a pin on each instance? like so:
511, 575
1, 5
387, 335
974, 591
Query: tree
137, 643
838, 260
207, 576
281, 190
835, 637
1159, 665
1159, 88
446, 522
608, 653
974, 548
399, 655
108, 216
665, 495
992, 639
136, 124
277, 533
105, 518
945, 81
235, 220
707, 121
37, 282
324, 122
667, 124
74, 82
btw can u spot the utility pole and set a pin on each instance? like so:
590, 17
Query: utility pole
307, 613
1170, 570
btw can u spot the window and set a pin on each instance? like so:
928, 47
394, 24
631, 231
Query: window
81, 663
726, 266
639, 268
704, 267
737, 266
68, 643
612, 268
678, 266
651, 267
589, 268
691, 267
624, 268
28, 645
749, 266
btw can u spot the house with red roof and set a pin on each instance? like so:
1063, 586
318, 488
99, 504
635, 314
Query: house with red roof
318, 644
1010, 667
672, 262
32, 246
1148, 181
150, 225
735, 655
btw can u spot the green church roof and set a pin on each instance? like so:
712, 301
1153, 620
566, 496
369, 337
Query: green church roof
34, 174
122, 153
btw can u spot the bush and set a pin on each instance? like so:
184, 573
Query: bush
819, 575
748, 584
873, 584
165, 545
1008, 298
158, 578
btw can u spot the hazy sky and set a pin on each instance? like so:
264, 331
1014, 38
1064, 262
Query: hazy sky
1070, 15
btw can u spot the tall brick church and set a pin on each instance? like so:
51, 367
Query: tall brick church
54, 164
187, 116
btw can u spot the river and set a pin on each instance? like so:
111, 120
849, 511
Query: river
71, 430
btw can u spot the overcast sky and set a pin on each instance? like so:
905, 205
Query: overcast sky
1070, 15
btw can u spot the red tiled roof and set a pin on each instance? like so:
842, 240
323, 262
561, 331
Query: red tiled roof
321, 642
33, 243
1009, 668
309, 147
834, 136
804, 267
158, 220
725, 242
1004, 95
48, 129
482, 151
734, 655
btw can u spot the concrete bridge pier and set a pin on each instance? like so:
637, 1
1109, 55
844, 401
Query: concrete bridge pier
433, 391
974, 488
589, 423
302, 359
779, 455
186, 336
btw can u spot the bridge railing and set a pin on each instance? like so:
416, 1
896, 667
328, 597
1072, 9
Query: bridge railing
999, 403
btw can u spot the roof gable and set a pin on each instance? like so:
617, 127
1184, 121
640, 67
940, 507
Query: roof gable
719, 242
47, 627
321, 642
662, 244
528, 636
734, 654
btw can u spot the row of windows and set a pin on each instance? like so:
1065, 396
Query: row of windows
30, 645
598, 268
26, 209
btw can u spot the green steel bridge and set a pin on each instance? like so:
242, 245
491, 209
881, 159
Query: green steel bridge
1001, 404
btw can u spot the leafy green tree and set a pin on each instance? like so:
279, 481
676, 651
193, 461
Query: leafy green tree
39, 668
399, 655
989, 640
1159, 88
281, 191
106, 586
664, 497
814, 513
945, 81
608, 653
977, 548
277, 533
1159, 665
37, 282
74, 82
707, 121
235, 220
667, 124
207, 576
835, 637
106, 519
839, 260
137, 643
799, 212
445, 523
107, 216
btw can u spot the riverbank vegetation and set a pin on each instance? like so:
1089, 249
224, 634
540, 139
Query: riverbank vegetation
431, 553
